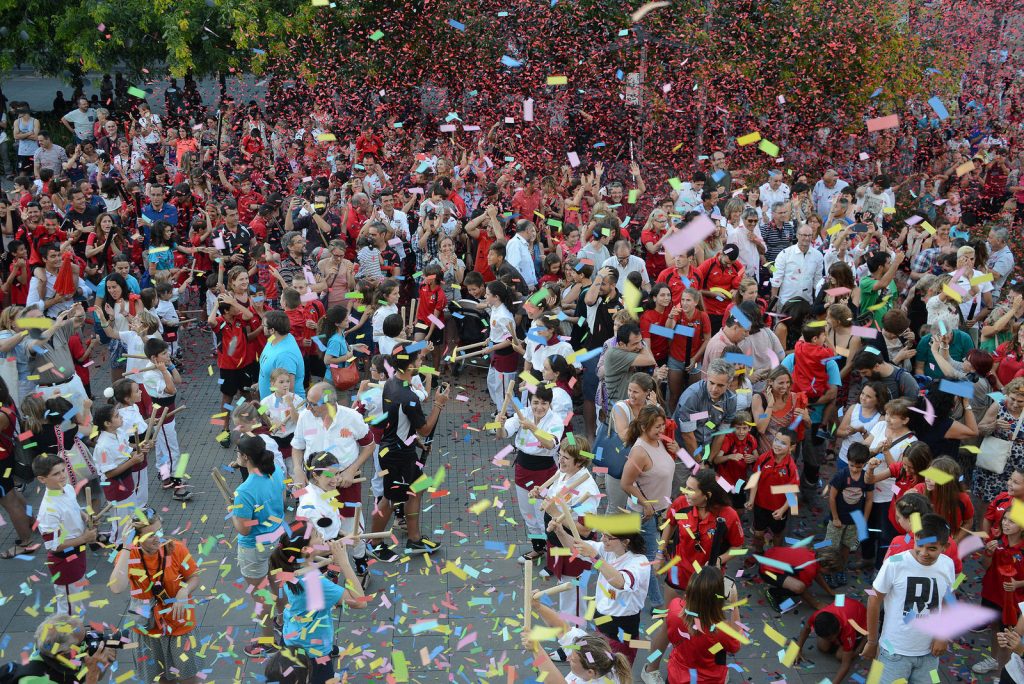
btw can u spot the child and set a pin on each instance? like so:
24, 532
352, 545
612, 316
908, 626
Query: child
65, 529
737, 453
888, 440
281, 408
391, 334
1003, 500
370, 260
1002, 587
140, 328
168, 315
591, 657
304, 322
123, 466
320, 507
910, 584
161, 383
838, 629
909, 510
949, 499
387, 298
917, 457
230, 322
794, 569
809, 374
149, 303
559, 376
432, 303
81, 353
250, 421
775, 467
265, 259
699, 644
848, 501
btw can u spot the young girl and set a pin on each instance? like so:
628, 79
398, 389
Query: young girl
948, 498
695, 629
504, 360
887, 441
859, 419
1002, 587
776, 467
249, 420
1004, 500
558, 374
64, 528
161, 382
736, 455
916, 457
657, 313
370, 403
386, 298
581, 499
591, 657
685, 352
552, 270
123, 465
281, 408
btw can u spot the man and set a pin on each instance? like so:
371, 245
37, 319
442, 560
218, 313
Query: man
735, 331
315, 221
59, 654
49, 156
596, 249
122, 266
951, 339
78, 222
237, 238
708, 206
281, 351
721, 178
625, 263
51, 361
911, 584
825, 191
355, 216
749, 241
705, 407
1000, 259
778, 233
977, 294
717, 278
158, 209
41, 292
687, 197
396, 218
874, 368
877, 290
876, 196
594, 327
519, 251
80, 121
631, 352
404, 422
798, 269
527, 199
505, 271
773, 192
927, 260
325, 425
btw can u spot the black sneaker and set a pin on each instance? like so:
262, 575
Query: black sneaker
424, 545
362, 569
772, 597
224, 441
382, 552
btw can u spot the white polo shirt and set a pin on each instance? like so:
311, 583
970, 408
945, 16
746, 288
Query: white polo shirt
341, 438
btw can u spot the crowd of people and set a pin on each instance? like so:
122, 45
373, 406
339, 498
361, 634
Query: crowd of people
676, 366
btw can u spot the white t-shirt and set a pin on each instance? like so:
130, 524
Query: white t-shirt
111, 450
911, 590
630, 599
132, 421
282, 424
883, 488
970, 308
379, 316
341, 438
561, 402
579, 492
857, 420
60, 517
314, 504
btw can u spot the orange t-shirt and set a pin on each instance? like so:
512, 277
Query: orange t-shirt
172, 566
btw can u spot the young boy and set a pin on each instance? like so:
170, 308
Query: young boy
910, 584
809, 374
849, 498
161, 381
168, 315
794, 570
65, 529
775, 468
837, 635
281, 408
81, 353
303, 320
737, 453
230, 322
905, 508
432, 302
387, 342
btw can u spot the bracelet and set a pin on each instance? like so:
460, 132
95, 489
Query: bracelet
598, 564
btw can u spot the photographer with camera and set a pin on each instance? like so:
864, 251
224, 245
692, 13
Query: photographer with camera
62, 647
161, 576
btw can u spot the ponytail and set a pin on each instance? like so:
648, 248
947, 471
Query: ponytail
502, 292
255, 449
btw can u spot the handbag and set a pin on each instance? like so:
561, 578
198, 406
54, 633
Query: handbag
994, 451
609, 450
345, 377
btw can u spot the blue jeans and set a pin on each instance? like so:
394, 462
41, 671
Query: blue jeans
651, 535
913, 669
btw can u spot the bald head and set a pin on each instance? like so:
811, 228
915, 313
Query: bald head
320, 394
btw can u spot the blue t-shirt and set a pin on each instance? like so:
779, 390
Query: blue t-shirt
284, 354
260, 498
337, 346
835, 379
311, 630
168, 213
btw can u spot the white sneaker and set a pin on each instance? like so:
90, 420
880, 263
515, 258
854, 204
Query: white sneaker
651, 677
985, 666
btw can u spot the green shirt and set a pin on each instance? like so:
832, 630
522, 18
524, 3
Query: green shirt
958, 348
870, 297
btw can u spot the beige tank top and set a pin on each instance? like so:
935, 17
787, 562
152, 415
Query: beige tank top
656, 482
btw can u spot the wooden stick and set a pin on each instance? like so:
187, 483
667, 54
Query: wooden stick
170, 415
567, 512
141, 370
154, 418
550, 480
222, 485
141, 357
312, 565
557, 589
404, 317
527, 595
571, 486
475, 345
508, 398
88, 501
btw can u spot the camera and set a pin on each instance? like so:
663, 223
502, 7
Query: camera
431, 214
94, 640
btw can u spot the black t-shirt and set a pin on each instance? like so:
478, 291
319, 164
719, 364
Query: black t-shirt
86, 218
403, 417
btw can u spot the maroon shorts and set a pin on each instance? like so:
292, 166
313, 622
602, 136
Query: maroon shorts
66, 568
348, 497
527, 479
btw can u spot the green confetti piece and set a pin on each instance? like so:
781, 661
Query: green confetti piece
179, 470
571, 437
376, 35
769, 148
400, 668
137, 92
675, 183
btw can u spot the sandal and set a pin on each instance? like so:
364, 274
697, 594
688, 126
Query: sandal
530, 556
20, 549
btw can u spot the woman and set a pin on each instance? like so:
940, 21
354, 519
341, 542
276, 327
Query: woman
1009, 358
705, 526
453, 269
695, 627
160, 255
859, 419
611, 437
257, 513
976, 368
685, 352
11, 498
308, 627
657, 313
104, 243
765, 349
559, 375
1000, 420
14, 344
338, 273
944, 433
118, 305
839, 322
647, 478
777, 408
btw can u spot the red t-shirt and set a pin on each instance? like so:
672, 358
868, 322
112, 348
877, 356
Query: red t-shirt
682, 347
905, 542
799, 558
995, 510
233, 343
245, 214
301, 333
1011, 365
904, 483
1007, 564
676, 283
965, 510
19, 291
694, 532
526, 204
659, 344
483, 244
710, 275
692, 649
734, 471
655, 260
851, 609
809, 374
774, 474
77, 350
432, 301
